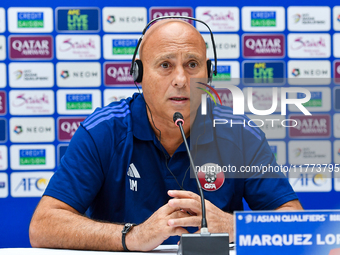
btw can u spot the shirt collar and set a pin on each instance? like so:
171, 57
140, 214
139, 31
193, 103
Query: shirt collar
141, 127
201, 131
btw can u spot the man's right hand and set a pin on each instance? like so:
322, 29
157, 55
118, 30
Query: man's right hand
151, 233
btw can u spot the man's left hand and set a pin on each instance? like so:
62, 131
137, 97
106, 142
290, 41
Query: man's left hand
218, 220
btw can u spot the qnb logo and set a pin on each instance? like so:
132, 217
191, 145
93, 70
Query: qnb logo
239, 101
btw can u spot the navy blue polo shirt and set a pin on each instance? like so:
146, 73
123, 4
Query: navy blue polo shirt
117, 170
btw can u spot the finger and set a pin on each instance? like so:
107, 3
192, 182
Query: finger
191, 204
193, 221
178, 231
167, 209
183, 194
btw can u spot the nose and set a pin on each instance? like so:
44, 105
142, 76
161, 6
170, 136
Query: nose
180, 78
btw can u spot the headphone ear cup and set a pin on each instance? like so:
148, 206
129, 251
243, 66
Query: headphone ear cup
210, 70
137, 71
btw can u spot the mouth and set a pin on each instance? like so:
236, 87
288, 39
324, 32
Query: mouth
179, 99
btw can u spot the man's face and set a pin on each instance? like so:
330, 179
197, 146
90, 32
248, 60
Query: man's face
172, 55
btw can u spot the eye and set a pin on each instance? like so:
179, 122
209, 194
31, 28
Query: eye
165, 65
192, 64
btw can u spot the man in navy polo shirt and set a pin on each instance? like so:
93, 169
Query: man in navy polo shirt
127, 163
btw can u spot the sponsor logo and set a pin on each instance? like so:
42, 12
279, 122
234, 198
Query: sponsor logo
337, 99
31, 102
3, 157
316, 126
336, 149
272, 129
2, 20
227, 72
3, 185
263, 19
77, 20
3, 130
336, 42
315, 72
117, 74
114, 95
263, 73
124, 47
30, 20
227, 46
320, 100
211, 177
61, 152
279, 150
314, 101
78, 74
3, 75
78, 101
309, 18
308, 180
29, 184
120, 46
133, 173
337, 183
3, 103
30, 47
32, 129
225, 96
124, 19
337, 72
309, 45
336, 126
262, 99
2, 47
309, 152
219, 19
31, 75
336, 18
67, 127
263, 45
32, 157
78, 47
156, 12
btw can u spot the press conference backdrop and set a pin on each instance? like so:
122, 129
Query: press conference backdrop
58, 62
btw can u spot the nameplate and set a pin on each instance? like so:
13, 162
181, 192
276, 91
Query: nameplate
304, 232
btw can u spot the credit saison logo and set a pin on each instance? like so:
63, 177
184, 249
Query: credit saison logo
32, 157
315, 100
123, 46
77, 20
223, 73
30, 19
263, 18
78, 101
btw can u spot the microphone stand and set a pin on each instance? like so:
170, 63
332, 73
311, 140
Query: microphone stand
204, 243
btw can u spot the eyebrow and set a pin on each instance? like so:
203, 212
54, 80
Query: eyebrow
173, 55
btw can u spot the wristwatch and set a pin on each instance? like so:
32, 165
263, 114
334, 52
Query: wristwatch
126, 229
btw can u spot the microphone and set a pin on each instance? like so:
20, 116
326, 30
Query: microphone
204, 243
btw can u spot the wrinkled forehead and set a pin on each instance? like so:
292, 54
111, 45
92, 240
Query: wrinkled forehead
168, 30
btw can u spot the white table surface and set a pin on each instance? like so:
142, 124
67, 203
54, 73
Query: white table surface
162, 249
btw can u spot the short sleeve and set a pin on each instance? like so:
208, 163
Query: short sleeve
79, 177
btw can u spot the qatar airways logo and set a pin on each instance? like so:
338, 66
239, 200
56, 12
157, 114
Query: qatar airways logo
118, 74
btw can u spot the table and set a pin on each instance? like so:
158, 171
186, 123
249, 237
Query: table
162, 249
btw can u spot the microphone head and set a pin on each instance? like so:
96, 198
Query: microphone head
178, 117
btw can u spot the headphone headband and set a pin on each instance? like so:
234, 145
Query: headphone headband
173, 17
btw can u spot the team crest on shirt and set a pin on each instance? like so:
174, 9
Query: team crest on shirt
211, 177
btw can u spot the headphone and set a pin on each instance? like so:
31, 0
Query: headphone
136, 69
